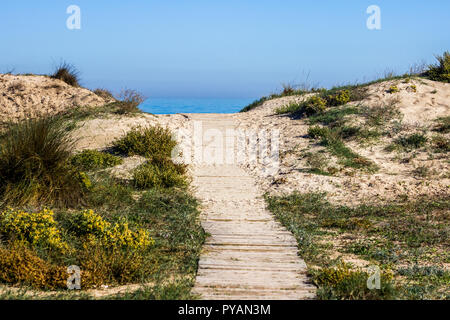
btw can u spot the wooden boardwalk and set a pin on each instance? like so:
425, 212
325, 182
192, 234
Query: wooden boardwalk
248, 255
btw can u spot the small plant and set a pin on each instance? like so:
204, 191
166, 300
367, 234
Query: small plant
380, 115
332, 140
287, 89
68, 73
317, 132
15, 87
340, 98
443, 125
440, 143
95, 229
413, 88
345, 284
314, 105
441, 70
421, 171
318, 163
21, 265
290, 108
35, 166
93, 159
105, 94
161, 173
147, 142
37, 228
393, 89
413, 141
129, 100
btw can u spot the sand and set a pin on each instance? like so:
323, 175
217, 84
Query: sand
23, 96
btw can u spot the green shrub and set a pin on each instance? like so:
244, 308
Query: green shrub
105, 94
147, 141
340, 98
342, 283
103, 265
317, 132
159, 173
35, 167
314, 105
290, 108
441, 143
97, 230
443, 125
93, 159
441, 70
413, 141
393, 89
68, 73
20, 265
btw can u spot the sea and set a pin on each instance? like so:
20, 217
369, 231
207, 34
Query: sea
189, 105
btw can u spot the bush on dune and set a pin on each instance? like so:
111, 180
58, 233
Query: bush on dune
129, 100
93, 159
160, 173
105, 94
34, 165
441, 70
148, 142
68, 73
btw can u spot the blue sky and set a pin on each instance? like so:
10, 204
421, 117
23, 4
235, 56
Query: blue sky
233, 48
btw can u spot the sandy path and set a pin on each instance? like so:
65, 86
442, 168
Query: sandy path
248, 254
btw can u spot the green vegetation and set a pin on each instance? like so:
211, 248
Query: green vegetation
68, 73
105, 94
159, 173
332, 128
332, 140
118, 232
408, 143
341, 95
441, 70
93, 159
393, 89
443, 125
287, 91
343, 283
319, 103
396, 236
129, 101
440, 143
34, 165
318, 163
147, 142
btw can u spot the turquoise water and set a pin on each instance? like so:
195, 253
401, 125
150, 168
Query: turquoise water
204, 105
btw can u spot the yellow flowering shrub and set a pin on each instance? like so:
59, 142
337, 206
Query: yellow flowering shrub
20, 265
37, 228
96, 229
315, 105
340, 98
393, 89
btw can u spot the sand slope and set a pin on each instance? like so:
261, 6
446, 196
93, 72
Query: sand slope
29, 96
